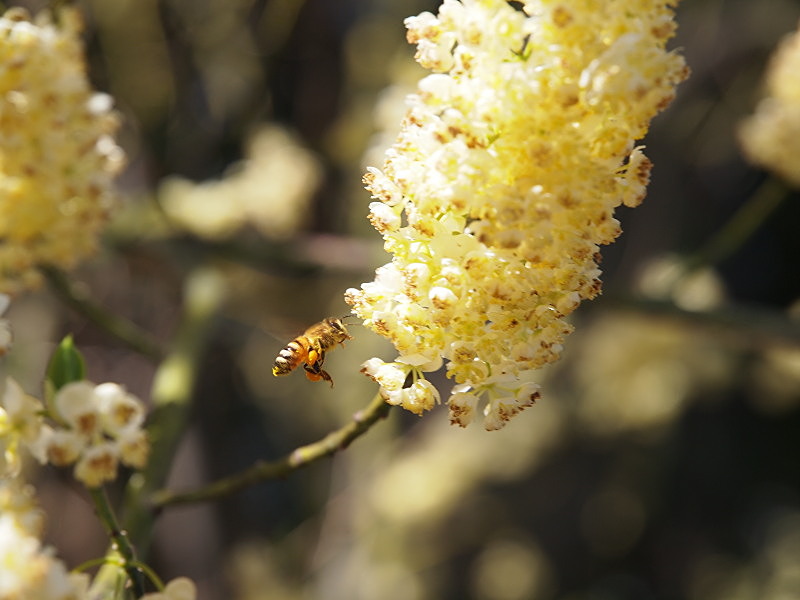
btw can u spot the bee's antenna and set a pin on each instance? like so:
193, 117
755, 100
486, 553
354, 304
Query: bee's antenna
348, 317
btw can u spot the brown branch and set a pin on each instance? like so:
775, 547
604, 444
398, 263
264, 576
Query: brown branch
266, 470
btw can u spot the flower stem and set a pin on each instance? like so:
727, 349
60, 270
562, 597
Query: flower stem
298, 458
120, 543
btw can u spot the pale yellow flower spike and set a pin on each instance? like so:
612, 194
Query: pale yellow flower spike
57, 156
771, 136
502, 185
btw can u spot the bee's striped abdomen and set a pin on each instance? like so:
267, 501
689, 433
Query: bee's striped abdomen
292, 355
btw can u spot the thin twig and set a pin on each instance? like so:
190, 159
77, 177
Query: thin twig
267, 470
128, 333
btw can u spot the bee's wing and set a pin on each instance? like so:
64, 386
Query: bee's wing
281, 330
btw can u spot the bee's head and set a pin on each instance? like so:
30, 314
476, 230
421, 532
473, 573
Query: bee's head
338, 325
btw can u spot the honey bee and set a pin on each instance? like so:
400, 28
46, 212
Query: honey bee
310, 348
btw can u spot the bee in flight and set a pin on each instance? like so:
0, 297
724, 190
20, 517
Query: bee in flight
310, 349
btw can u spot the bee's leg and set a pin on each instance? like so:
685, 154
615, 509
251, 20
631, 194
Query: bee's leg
317, 376
315, 372
326, 376
313, 376
312, 370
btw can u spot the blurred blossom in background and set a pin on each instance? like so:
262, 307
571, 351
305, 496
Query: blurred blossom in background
770, 136
57, 154
270, 191
661, 464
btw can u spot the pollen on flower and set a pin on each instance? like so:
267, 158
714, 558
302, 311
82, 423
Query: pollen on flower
57, 155
502, 185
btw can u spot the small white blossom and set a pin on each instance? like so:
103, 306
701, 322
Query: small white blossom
462, 405
120, 410
383, 217
62, 447
97, 464
134, 447
421, 396
76, 405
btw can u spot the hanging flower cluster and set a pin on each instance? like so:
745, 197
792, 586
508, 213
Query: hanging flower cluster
57, 156
97, 427
502, 185
94, 427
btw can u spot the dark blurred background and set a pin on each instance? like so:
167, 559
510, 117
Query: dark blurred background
663, 461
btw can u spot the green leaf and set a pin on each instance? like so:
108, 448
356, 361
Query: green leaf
66, 365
